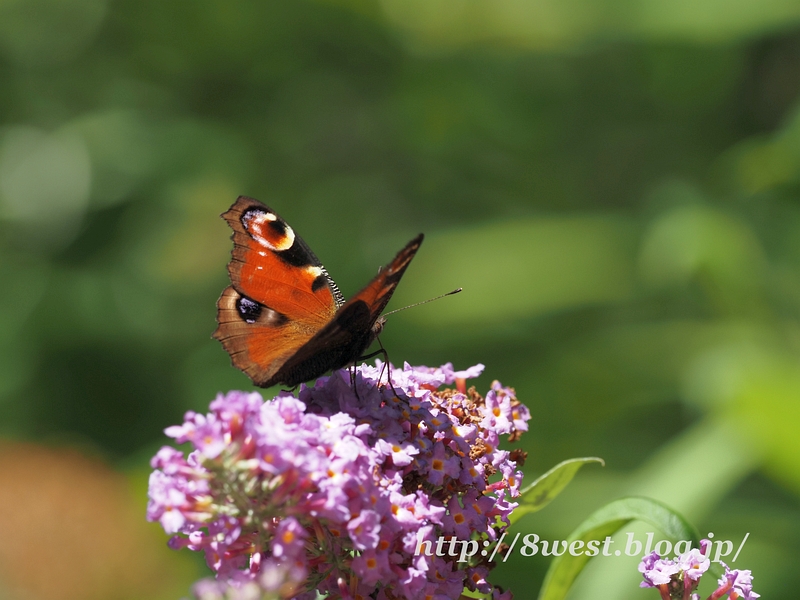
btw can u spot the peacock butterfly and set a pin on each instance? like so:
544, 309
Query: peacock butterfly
283, 319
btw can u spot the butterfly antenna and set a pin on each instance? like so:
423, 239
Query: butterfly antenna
423, 302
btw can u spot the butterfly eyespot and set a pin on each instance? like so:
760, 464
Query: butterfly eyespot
268, 230
252, 312
248, 310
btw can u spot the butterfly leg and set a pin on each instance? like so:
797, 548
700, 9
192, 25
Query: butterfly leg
352, 370
385, 355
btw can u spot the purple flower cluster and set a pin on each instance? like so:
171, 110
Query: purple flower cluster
335, 491
678, 578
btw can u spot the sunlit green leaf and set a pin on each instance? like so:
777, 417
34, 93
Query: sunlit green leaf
605, 522
541, 492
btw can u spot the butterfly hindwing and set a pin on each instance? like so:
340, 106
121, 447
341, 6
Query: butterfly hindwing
282, 319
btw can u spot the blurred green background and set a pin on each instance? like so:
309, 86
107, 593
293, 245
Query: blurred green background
615, 184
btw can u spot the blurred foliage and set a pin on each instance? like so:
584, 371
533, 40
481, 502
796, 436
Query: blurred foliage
616, 185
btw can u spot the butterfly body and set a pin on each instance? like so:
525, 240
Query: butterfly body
283, 319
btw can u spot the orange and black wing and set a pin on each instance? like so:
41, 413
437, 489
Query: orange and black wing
353, 328
280, 294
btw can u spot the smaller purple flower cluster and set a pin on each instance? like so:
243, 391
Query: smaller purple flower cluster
678, 579
335, 491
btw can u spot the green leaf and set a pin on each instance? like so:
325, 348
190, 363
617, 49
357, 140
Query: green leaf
539, 494
605, 522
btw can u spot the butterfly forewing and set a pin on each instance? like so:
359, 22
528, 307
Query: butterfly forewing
274, 266
378, 292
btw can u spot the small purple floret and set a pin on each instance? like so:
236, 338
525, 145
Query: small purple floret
693, 563
739, 582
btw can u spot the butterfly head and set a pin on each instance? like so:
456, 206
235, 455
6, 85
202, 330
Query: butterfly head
377, 326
